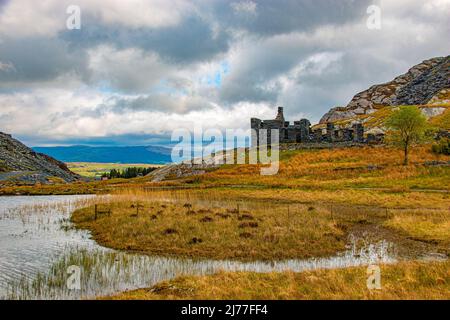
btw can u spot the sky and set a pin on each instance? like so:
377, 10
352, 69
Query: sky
136, 70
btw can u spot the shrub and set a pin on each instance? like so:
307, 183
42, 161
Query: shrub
442, 147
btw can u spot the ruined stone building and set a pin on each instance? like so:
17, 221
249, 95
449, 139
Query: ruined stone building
301, 132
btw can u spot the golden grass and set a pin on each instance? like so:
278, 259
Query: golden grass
79, 187
219, 231
391, 199
430, 227
97, 187
399, 198
305, 170
378, 118
268, 224
408, 280
341, 168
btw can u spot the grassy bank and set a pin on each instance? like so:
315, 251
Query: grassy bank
401, 281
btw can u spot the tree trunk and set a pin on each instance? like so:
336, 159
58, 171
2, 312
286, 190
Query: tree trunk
406, 161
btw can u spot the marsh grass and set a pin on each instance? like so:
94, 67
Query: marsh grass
407, 280
100, 272
215, 230
106, 272
41, 212
432, 227
350, 198
207, 225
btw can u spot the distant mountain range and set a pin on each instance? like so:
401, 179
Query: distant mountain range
135, 154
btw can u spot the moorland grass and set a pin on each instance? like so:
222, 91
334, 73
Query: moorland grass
332, 169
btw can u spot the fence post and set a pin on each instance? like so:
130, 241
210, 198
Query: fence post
95, 212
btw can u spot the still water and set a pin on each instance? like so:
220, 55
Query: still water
38, 244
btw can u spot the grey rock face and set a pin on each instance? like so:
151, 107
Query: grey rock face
422, 88
25, 165
418, 86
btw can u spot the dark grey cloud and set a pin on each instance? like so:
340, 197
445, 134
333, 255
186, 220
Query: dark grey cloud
198, 38
39, 59
201, 37
257, 66
191, 41
284, 16
149, 103
164, 103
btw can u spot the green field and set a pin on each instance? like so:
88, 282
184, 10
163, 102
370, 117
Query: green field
91, 169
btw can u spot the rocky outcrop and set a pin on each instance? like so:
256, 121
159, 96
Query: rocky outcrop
425, 86
20, 164
420, 85
432, 112
193, 167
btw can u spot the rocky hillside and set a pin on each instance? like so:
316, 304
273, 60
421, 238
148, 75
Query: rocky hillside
425, 83
20, 164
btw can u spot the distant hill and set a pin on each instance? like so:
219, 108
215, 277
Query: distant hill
126, 155
426, 84
20, 164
